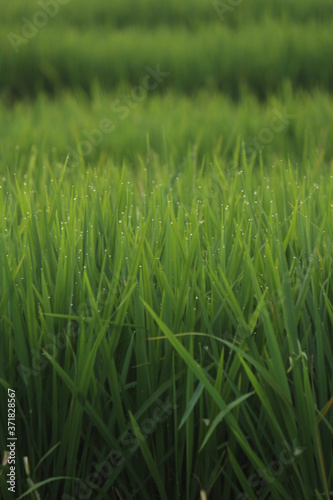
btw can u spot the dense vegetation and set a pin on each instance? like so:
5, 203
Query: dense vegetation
166, 291
213, 56
298, 127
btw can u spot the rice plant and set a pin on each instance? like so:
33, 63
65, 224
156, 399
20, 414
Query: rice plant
168, 334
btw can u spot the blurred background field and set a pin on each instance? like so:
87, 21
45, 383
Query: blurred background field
182, 253
174, 124
228, 65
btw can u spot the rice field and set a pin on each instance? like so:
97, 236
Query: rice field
166, 289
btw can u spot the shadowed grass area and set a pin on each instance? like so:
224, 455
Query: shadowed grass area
258, 58
162, 329
147, 13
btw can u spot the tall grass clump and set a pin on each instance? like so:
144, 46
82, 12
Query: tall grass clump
168, 331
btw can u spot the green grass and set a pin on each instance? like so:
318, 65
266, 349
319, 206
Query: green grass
148, 13
212, 292
166, 291
298, 126
257, 45
216, 57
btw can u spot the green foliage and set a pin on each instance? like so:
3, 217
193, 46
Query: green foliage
189, 13
212, 295
166, 291
296, 126
214, 56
